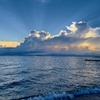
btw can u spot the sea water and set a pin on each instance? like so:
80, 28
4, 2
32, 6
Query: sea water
49, 78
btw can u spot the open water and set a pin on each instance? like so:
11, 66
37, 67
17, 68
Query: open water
49, 78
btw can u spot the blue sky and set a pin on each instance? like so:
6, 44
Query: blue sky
18, 17
58, 26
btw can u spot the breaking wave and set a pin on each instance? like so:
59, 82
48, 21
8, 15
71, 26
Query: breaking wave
64, 95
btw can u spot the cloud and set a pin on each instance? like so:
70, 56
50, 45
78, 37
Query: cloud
81, 29
81, 39
41, 35
9, 44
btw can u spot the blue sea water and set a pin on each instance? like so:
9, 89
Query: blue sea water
48, 77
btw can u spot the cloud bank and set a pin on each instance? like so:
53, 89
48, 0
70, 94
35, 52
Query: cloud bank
79, 37
8, 44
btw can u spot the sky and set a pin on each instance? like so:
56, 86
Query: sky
50, 21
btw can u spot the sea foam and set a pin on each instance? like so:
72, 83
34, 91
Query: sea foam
66, 95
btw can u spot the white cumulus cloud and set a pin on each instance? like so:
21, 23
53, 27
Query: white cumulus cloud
81, 39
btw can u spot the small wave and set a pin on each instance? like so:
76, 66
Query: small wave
51, 96
64, 95
86, 91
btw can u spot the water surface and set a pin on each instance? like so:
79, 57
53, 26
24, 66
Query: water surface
45, 76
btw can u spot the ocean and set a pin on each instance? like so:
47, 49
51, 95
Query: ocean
49, 78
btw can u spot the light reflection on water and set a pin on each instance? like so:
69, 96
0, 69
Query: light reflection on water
22, 76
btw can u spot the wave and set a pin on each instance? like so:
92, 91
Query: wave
64, 95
